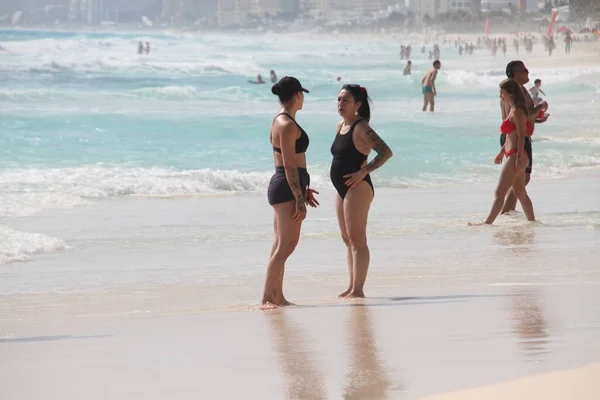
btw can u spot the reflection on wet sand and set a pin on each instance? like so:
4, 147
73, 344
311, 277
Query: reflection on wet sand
302, 379
367, 377
529, 322
514, 236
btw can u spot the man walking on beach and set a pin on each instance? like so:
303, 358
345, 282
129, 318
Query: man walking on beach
428, 83
518, 71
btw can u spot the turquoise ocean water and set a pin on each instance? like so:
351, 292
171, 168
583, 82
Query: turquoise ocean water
84, 117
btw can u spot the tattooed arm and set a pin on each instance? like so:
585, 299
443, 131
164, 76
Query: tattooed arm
365, 140
374, 142
287, 137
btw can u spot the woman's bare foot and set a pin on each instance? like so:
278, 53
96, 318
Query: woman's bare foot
355, 295
271, 304
284, 302
268, 306
345, 293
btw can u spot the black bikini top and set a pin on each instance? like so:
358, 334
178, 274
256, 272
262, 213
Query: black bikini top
301, 142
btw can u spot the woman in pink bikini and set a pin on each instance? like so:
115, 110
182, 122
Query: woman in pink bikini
513, 171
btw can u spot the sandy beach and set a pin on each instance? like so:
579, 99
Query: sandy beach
578, 383
532, 309
382, 348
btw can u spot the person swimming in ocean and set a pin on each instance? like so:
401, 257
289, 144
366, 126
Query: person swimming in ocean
429, 90
259, 80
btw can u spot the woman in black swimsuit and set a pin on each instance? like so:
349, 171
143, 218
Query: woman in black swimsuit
288, 192
353, 142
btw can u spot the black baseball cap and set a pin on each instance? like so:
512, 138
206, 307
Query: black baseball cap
513, 65
287, 86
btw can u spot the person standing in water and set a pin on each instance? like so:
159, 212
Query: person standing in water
288, 191
407, 68
535, 92
428, 83
568, 43
140, 48
514, 128
517, 70
273, 77
349, 174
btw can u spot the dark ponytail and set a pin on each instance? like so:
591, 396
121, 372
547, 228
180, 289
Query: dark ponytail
360, 94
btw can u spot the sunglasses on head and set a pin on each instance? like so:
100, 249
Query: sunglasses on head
523, 70
354, 86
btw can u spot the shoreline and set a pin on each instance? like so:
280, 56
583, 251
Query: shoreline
172, 281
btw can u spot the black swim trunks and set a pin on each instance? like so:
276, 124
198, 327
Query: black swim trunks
279, 189
528, 150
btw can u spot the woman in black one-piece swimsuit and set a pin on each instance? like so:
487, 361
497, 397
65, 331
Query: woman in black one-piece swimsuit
349, 174
288, 191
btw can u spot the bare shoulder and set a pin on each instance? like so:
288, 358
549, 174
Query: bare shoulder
362, 127
518, 113
284, 124
339, 126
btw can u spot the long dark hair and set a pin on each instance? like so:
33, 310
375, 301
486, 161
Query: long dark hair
512, 87
360, 94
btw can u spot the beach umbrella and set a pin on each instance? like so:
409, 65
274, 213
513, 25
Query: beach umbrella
564, 29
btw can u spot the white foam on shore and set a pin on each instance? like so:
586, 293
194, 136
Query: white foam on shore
18, 246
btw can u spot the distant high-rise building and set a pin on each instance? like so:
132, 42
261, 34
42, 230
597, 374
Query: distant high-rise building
169, 10
207, 8
233, 12
494, 5
290, 6
192, 10
457, 5
313, 7
433, 8
429, 8
263, 7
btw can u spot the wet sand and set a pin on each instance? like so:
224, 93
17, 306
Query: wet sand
451, 308
577, 383
403, 347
